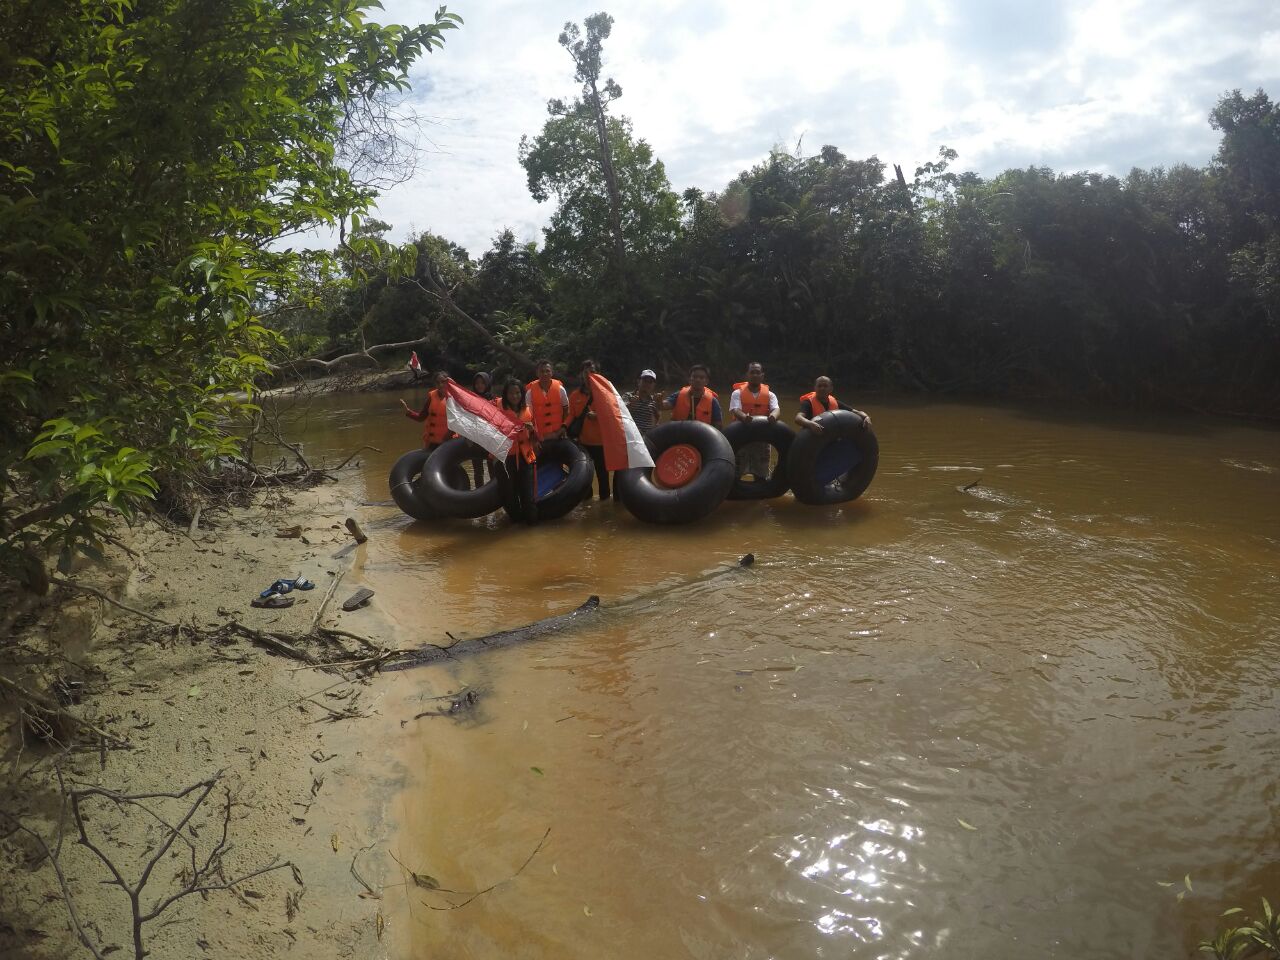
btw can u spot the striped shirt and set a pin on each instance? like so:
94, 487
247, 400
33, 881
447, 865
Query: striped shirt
644, 412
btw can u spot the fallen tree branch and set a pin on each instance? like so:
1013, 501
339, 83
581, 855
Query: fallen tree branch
48, 707
425, 882
273, 642
201, 878
72, 585
436, 290
353, 456
366, 353
54, 856
333, 586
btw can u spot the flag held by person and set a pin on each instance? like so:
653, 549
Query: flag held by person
624, 447
472, 416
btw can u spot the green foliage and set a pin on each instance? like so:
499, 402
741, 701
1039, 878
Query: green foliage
1258, 939
153, 156
1161, 288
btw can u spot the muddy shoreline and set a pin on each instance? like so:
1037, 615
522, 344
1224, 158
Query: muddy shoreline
310, 783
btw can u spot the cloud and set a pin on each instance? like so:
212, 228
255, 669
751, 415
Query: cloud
1097, 84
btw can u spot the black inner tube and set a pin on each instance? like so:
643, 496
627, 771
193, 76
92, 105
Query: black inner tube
648, 500
837, 465
402, 479
551, 487
742, 433
444, 485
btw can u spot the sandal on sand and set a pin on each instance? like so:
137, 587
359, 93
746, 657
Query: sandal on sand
272, 602
357, 599
284, 586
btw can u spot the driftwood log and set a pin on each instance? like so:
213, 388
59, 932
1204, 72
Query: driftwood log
431, 653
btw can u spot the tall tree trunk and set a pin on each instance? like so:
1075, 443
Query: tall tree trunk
611, 183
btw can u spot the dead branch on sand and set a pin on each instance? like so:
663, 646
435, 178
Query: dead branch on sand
203, 874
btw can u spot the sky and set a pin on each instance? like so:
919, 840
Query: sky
714, 85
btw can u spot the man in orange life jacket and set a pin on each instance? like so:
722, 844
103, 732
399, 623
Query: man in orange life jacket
435, 429
813, 405
548, 401
753, 398
696, 401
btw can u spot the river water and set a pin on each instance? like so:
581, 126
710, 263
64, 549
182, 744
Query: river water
1034, 718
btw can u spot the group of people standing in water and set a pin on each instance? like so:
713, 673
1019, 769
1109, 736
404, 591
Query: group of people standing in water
550, 411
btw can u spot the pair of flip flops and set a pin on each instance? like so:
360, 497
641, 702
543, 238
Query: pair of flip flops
284, 586
273, 602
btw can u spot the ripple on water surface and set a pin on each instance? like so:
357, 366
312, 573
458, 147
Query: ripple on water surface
939, 722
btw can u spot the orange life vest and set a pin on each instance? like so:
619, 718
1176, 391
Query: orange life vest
523, 447
590, 428
812, 397
682, 409
753, 405
547, 412
435, 428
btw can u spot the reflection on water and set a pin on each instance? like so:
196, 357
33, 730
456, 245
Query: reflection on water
936, 722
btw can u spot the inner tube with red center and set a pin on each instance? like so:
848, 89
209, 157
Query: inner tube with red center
836, 465
692, 473
741, 433
444, 485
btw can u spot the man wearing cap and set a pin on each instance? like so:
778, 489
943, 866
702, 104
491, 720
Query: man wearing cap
645, 405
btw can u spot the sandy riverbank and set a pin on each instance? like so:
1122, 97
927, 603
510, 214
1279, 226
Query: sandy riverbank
305, 755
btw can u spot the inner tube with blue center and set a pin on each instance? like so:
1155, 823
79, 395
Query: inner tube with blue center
694, 467
554, 485
837, 465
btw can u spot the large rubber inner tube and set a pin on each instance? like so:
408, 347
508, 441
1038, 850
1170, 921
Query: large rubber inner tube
741, 433
402, 481
694, 469
444, 485
562, 474
553, 486
836, 465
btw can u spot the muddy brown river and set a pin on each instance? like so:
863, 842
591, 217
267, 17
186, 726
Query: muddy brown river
1037, 718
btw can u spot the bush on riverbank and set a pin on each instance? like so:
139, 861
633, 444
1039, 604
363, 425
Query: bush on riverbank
155, 156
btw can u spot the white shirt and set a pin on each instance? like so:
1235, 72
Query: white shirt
735, 401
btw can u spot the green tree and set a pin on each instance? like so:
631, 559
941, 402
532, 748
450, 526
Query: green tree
615, 215
154, 156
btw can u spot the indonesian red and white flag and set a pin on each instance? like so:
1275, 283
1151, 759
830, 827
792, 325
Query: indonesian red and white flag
472, 416
414, 363
623, 444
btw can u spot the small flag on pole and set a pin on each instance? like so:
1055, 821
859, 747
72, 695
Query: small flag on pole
414, 363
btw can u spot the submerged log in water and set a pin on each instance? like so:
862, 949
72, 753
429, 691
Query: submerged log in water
431, 653
504, 638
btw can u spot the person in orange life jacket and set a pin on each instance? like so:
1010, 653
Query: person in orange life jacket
753, 398
819, 402
589, 436
523, 452
548, 402
435, 429
481, 386
696, 401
